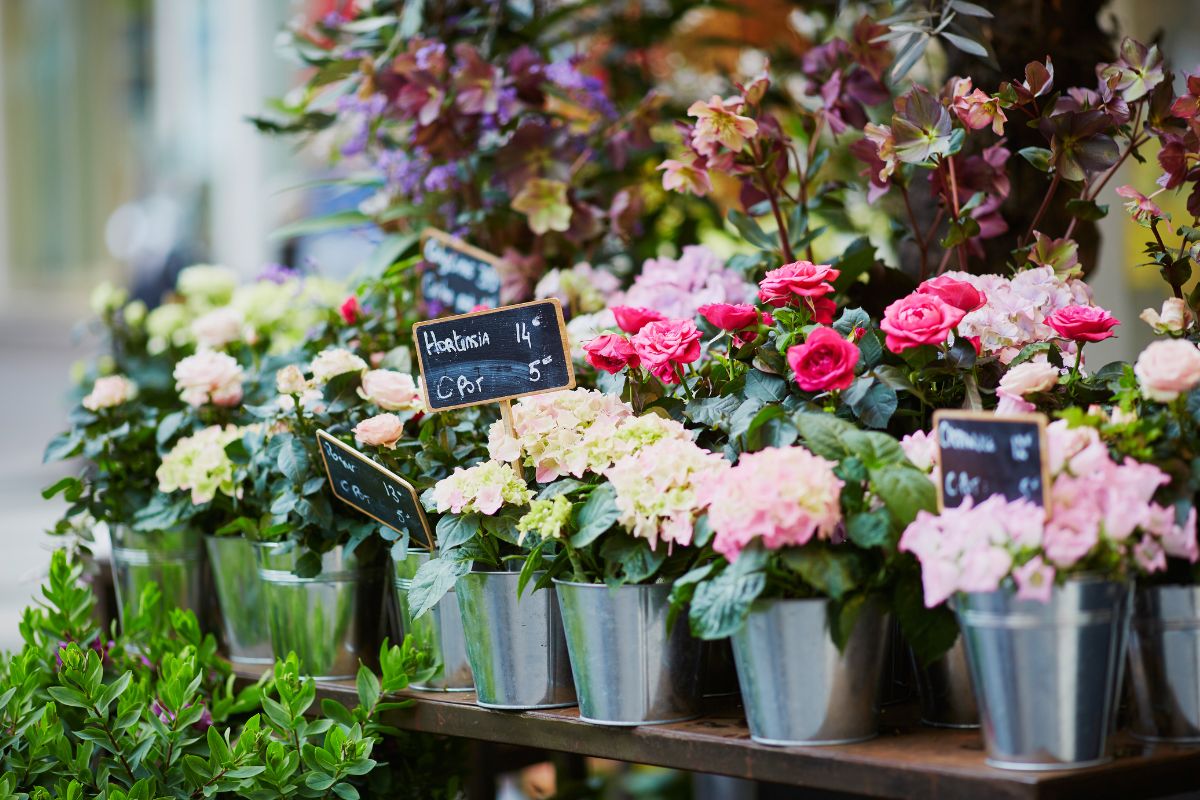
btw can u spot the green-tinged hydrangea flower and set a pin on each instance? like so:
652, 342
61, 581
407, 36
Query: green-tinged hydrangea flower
206, 285
545, 203
199, 463
168, 325
546, 518
482, 489
107, 297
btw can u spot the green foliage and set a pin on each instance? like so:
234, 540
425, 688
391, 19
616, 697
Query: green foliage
156, 713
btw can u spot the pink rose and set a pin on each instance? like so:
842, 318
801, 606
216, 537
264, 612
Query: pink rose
823, 310
218, 328
1029, 378
350, 310
919, 319
1082, 323
381, 430
391, 390
1167, 368
110, 391
209, 377
954, 292
786, 285
665, 344
824, 362
611, 353
631, 319
730, 317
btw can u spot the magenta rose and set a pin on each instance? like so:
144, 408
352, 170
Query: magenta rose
823, 311
665, 344
954, 292
611, 353
631, 319
1083, 323
919, 319
786, 285
824, 362
729, 317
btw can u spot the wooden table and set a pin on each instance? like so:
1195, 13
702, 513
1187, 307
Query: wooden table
907, 760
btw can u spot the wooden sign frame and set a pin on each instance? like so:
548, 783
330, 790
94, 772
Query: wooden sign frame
562, 333
462, 246
988, 416
362, 458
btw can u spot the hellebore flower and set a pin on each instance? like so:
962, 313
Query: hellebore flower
545, 203
921, 127
718, 123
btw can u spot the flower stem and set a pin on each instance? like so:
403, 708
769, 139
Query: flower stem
1057, 179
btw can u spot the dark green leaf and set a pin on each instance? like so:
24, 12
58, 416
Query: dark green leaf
431, 582
596, 516
832, 570
869, 529
455, 530
904, 490
1039, 157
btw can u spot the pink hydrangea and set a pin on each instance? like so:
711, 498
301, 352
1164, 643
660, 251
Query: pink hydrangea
752, 502
678, 287
1098, 505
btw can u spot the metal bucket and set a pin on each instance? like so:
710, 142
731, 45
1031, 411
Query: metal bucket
1046, 674
516, 647
172, 559
240, 592
947, 697
329, 621
797, 687
1164, 664
628, 669
438, 632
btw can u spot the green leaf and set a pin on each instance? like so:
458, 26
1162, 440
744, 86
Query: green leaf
1039, 157
856, 259
850, 319
367, 685
345, 791
596, 516
753, 233
713, 412
68, 696
968, 46
65, 445
69, 484
1086, 210
561, 486
721, 604
822, 434
338, 220
1028, 352
743, 417
630, 560
904, 490
168, 426
455, 530
930, 632
873, 448
292, 459
761, 386
869, 529
830, 569
872, 402
431, 582
337, 712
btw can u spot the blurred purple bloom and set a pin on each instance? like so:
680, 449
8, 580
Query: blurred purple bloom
367, 110
564, 74
404, 175
276, 273
440, 178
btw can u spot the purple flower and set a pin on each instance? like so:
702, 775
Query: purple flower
564, 74
367, 110
404, 175
276, 273
440, 178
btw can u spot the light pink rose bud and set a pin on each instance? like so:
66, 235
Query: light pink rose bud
1028, 378
290, 380
110, 391
381, 430
1174, 317
333, 362
1168, 368
209, 377
391, 390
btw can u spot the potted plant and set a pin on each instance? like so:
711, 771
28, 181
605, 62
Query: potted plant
515, 643
1043, 593
616, 521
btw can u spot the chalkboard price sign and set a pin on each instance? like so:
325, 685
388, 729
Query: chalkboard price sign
458, 277
983, 455
375, 491
494, 355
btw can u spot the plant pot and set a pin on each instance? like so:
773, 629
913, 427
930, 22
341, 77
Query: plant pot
797, 687
1046, 675
628, 668
439, 632
947, 697
515, 645
329, 621
240, 593
174, 560
1164, 664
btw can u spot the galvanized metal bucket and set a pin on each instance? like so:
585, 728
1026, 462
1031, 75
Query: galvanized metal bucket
438, 632
628, 668
516, 646
797, 687
172, 559
1047, 674
947, 697
329, 621
240, 592
1164, 664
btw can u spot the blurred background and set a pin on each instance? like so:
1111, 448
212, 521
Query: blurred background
125, 154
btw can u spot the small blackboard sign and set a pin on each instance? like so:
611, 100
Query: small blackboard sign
981, 455
494, 355
374, 490
458, 277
